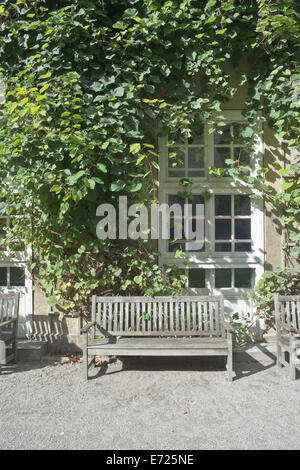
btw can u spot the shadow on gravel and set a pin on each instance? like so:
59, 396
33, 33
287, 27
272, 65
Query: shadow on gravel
12, 368
248, 366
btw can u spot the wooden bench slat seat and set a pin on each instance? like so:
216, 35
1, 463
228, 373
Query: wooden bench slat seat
158, 326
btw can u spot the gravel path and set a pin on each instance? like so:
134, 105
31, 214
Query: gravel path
148, 404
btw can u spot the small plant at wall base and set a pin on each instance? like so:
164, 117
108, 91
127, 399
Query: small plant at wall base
242, 333
283, 281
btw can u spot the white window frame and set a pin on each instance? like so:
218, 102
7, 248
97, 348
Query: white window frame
217, 185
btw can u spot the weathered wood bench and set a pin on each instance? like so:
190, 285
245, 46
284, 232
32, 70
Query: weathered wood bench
9, 313
158, 326
287, 318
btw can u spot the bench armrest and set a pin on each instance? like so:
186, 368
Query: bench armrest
8, 322
86, 328
288, 329
228, 327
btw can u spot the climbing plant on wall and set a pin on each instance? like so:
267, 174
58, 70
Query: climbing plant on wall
89, 85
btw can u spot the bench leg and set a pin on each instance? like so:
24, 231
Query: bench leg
2, 354
279, 355
292, 358
85, 364
229, 357
229, 367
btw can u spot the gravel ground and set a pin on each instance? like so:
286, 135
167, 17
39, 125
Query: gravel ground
148, 404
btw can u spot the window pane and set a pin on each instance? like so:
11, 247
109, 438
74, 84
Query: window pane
242, 229
225, 137
17, 276
175, 199
177, 138
176, 246
222, 229
222, 277
223, 247
197, 133
243, 277
176, 174
176, 161
221, 154
178, 233
242, 205
237, 132
198, 200
242, 156
196, 278
3, 276
190, 226
242, 247
195, 157
222, 205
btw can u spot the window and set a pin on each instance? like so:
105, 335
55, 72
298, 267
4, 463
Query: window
13, 276
229, 145
175, 244
232, 257
232, 223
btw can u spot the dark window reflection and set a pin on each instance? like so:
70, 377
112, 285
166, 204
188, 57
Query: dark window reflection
197, 277
243, 277
3, 276
222, 229
222, 277
242, 229
242, 205
222, 205
17, 276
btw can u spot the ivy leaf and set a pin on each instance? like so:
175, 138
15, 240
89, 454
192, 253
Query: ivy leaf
46, 75
102, 167
135, 148
286, 185
119, 91
135, 187
117, 186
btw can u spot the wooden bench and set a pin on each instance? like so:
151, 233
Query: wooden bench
9, 313
158, 326
287, 318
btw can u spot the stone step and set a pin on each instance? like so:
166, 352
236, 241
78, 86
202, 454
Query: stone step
29, 350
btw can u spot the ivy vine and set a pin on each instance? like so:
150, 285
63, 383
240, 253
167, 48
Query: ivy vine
89, 86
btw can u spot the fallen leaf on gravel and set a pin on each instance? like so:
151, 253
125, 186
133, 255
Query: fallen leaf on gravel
99, 363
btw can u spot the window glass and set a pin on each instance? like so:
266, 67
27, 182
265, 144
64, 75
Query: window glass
223, 205
243, 277
196, 277
242, 205
232, 222
17, 276
3, 276
175, 243
223, 229
228, 145
223, 277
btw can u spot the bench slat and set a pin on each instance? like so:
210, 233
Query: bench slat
197, 316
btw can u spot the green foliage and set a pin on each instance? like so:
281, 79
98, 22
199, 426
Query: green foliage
283, 281
242, 333
90, 85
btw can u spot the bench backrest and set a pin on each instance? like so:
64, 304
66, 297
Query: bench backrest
287, 311
159, 316
9, 307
